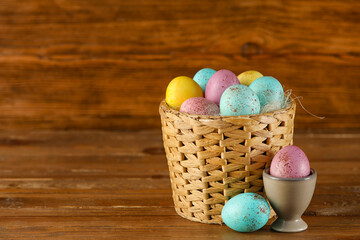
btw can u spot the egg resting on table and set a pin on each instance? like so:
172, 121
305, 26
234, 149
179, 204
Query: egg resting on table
202, 77
180, 89
247, 77
218, 83
246, 212
239, 100
199, 106
290, 162
269, 91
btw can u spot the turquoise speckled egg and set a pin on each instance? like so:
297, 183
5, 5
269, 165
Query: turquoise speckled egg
269, 91
202, 77
246, 212
239, 100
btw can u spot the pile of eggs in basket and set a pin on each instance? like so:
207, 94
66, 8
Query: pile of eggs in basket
223, 93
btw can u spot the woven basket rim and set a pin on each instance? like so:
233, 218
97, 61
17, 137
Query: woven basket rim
167, 108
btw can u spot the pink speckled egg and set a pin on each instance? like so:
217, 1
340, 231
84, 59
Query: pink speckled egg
218, 83
290, 162
199, 106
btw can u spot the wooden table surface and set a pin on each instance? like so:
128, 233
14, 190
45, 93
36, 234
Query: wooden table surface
115, 185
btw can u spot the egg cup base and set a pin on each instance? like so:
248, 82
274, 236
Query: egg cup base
282, 225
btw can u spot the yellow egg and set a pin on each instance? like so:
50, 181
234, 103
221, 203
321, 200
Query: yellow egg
247, 77
180, 89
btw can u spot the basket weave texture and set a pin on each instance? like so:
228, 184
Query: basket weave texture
213, 158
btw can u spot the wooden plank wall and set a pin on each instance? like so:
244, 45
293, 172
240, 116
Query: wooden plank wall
105, 64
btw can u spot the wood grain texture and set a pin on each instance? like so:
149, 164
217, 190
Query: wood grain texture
115, 185
105, 64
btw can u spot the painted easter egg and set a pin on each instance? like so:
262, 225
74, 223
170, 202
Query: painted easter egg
218, 83
239, 100
269, 91
180, 89
247, 77
290, 162
199, 106
202, 77
246, 212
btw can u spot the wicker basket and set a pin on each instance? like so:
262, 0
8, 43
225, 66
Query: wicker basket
213, 158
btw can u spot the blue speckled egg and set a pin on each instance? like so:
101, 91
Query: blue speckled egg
239, 100
202, 77
246, 212
269, 91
